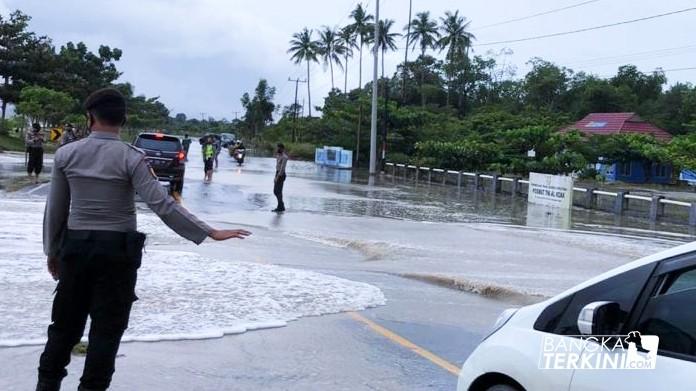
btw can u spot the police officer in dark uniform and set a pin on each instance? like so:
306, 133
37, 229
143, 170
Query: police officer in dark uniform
92, 245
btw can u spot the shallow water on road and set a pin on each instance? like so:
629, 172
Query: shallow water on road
489, 244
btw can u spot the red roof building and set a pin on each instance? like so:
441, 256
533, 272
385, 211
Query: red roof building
617, 123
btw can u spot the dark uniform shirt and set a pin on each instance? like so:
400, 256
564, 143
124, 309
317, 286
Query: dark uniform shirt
93, 187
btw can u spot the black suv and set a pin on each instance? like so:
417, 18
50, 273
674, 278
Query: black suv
166, 156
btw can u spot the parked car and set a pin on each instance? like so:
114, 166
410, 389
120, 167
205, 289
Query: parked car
655, 296
166, 157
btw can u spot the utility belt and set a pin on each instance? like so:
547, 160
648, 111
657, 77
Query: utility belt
129, 243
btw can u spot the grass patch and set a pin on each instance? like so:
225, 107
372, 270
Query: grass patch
80, 349
11, 143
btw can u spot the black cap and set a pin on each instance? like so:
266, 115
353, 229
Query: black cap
107, 98
280, 145
36, 126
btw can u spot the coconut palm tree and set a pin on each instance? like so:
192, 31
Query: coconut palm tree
302, 48
387, 40
347, 39
457, 40
423, 33
408, 34
361, 27
331, 49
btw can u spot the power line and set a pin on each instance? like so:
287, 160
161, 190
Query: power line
650, 54
587, 28
678, 69
536, 15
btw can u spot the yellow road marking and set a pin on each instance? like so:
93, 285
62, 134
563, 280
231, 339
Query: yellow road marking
390, 335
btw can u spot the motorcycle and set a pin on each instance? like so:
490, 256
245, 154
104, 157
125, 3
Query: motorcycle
239, 155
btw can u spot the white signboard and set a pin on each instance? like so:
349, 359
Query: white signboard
550, 190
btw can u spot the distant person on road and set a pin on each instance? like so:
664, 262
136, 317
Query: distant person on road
186, 142
217, 143
68, 135
92, 244
34, 143
279, 180
208, 159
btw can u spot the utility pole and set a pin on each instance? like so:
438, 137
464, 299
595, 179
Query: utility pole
294, 108
375, 89
235, 115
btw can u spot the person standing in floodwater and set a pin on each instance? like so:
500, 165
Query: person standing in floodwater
34, 143
186, 143
208, 159
279, 180
92, 244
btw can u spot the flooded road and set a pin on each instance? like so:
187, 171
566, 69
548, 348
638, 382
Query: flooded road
375, 245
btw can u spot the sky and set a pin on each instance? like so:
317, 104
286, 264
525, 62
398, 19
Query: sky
200, 56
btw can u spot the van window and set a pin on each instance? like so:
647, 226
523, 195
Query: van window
562, 317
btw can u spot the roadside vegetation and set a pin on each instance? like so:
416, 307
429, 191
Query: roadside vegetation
454, 109
47, 84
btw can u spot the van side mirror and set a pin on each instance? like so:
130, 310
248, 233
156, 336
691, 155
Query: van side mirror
600, 318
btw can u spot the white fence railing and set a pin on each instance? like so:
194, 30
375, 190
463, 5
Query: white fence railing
588, 199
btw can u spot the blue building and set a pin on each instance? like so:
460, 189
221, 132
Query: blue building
635, 172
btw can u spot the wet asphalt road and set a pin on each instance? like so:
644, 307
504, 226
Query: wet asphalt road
339, 351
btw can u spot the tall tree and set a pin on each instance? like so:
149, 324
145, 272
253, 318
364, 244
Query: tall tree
456, 38
425, 34
260, 107
331, 49
362, 26
17, 47
79, 71
347, 39
303, 48
408, 35
44, 105
387, 39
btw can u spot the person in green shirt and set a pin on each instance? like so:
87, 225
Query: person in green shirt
208, 159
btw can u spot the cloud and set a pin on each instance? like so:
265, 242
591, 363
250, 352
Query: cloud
202, 55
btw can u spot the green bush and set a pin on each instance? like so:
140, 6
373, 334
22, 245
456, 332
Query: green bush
300, 151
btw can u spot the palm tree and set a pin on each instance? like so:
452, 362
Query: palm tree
303, 48
387, 40
408, 34
361, 27
457, 40
423, 33
346, 38
331, 49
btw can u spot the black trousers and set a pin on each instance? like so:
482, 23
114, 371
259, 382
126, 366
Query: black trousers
278, 191
98, 272
35, 161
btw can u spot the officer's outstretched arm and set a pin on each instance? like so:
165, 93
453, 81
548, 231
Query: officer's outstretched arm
173, 214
